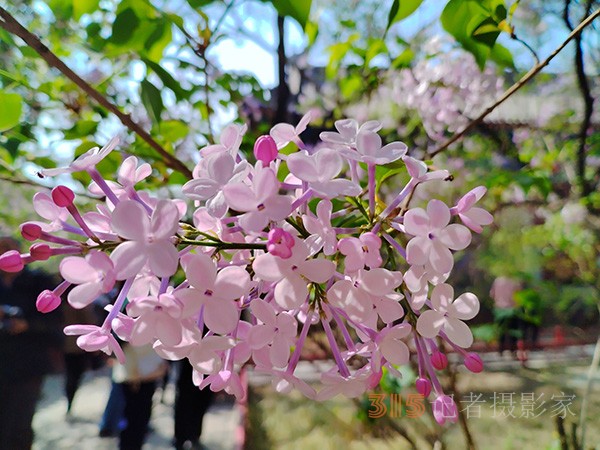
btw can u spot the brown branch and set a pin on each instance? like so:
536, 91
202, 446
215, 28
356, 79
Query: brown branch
10, 24
588, 100
518, 85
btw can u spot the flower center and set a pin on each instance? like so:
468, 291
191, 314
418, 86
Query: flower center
260, 207
208, 293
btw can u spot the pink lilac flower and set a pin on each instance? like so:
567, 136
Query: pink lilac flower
370, 151
276, 332
361, 251
320, 170
434, 237
88, 160
447, 314
93, 338
348, 130
148, 239
214, 173
214, 291
471, 216
391, 345
322, 234
292, 274
46, 208
93, 274
284, 133
157, 317
260, 202
229, 141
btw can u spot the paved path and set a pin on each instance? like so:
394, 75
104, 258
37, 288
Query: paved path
54, 432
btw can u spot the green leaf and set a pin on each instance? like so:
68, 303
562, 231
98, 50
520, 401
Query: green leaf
297, 9
152, 101
82, 128
11, 107
502, 56
81, 7
173, 130
403, 59
401, 9
475, 25
199, 3
312, 31
167, 79
158, 40
124, 27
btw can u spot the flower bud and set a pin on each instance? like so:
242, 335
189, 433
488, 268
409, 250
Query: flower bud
423, 386
47, 301
439, 360
265, 149
280, 243
11, 261
40, 252
473, 362
63, 196
31, 231
444, 409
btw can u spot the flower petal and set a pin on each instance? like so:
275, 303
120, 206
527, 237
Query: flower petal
439, 213
455, 236
429, 323
291, 292
129, 259
458, 332
465, 307
130, 220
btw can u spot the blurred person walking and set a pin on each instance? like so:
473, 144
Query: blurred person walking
138, 378
27, 338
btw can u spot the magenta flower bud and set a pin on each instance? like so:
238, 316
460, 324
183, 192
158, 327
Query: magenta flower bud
423, 386
63, 196
47, 301
444, 409
40, 252
280, 243
473, 362
439, 360
11, 261
31, 231
265, 149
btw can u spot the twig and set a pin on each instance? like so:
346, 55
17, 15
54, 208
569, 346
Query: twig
10, 24
518, 85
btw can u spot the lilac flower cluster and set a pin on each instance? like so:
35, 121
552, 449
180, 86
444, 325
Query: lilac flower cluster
276, 249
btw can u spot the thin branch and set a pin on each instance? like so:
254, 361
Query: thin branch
514, 37
518, 85
10, 24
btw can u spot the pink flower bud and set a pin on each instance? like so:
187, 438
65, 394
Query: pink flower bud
11, 261
63, 196
40, 252
47, 301
444, 409
473, 362
423, 386
280, 243
265, 149
439, 360
31, 231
